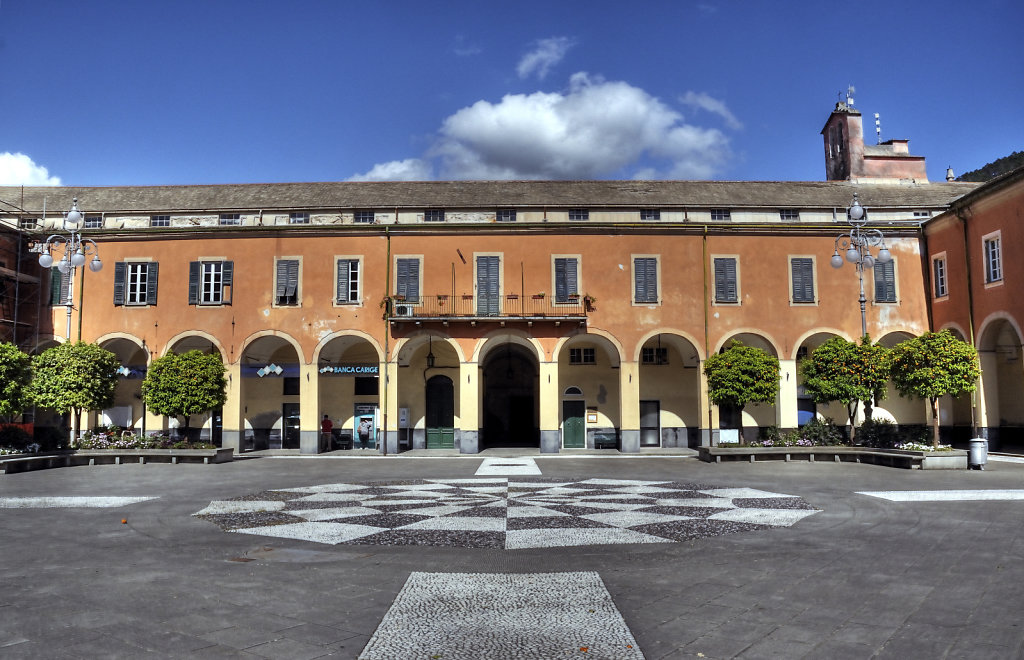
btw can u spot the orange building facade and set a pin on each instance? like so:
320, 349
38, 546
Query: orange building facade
974, 272
469, 315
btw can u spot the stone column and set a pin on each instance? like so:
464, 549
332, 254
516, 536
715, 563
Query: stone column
233, 418
390, 372
785, 405
468, 441
708, 412
550, 436
629, 406
988, 397
309, 409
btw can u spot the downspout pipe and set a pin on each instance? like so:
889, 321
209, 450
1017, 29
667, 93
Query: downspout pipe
962, 215
387, 334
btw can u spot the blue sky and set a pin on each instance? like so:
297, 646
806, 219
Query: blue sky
148, 92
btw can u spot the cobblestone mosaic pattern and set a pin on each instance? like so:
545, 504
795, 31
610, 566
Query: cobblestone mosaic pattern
505, 512
530, 615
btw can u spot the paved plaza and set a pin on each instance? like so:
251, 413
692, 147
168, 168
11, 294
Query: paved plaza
511, 557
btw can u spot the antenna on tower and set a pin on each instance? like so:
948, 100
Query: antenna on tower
849, 95
878, 128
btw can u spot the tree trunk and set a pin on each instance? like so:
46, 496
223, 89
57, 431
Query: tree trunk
188, 419
76, 419
935, 421
851, 410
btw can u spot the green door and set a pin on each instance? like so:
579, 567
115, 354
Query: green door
574, 435
440, 413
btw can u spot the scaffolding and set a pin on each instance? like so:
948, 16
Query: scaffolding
21, 280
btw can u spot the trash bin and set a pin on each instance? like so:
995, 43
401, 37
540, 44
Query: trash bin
978, 454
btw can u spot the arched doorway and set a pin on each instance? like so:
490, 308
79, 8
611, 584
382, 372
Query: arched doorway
1002, 381
510, 410
440, 418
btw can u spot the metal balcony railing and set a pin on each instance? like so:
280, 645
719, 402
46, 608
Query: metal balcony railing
470, 307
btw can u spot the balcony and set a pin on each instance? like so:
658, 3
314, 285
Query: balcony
446, 308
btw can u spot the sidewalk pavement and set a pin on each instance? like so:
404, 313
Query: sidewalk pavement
864, 577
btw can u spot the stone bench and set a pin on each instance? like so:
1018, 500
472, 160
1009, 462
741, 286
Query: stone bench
945, 460
68, 458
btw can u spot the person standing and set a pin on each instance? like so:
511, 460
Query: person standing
364, 432
326, 427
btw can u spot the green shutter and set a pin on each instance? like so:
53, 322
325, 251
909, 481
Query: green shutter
885, 282
193, 282
725, 280
803, 279
120, 272
151, 280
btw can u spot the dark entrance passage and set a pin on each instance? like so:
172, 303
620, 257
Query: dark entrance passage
440, 413
510, 411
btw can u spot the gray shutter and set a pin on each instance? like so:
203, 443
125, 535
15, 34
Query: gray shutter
342, 292
488, 294
151, 280
282, 281
566, 281
193, 282
885, 282
227, 280
646, 279
120, 273
292, 288
725, 280
803, 279
408, 284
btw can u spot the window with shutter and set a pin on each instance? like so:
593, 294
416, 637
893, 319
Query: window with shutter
60, 287
566, 281
885, 282
287, 285
348, 281
407, 280
645, 280
802, 269
488, 286
726, 285
210, 282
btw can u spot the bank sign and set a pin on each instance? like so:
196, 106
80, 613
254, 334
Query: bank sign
351, 370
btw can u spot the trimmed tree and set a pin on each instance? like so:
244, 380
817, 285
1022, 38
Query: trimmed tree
840, 370
184, 385
740, 375
74, 377
15, 380
933, 365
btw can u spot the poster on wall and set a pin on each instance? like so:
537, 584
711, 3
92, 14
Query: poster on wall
364, 433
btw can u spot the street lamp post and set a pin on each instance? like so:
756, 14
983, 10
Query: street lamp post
75, 250
857, 246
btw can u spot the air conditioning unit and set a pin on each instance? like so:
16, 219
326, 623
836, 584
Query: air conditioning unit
403, 310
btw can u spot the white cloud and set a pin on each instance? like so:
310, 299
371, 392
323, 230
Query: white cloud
410, 169
546, 53
594, 129
702, 101
19, 170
